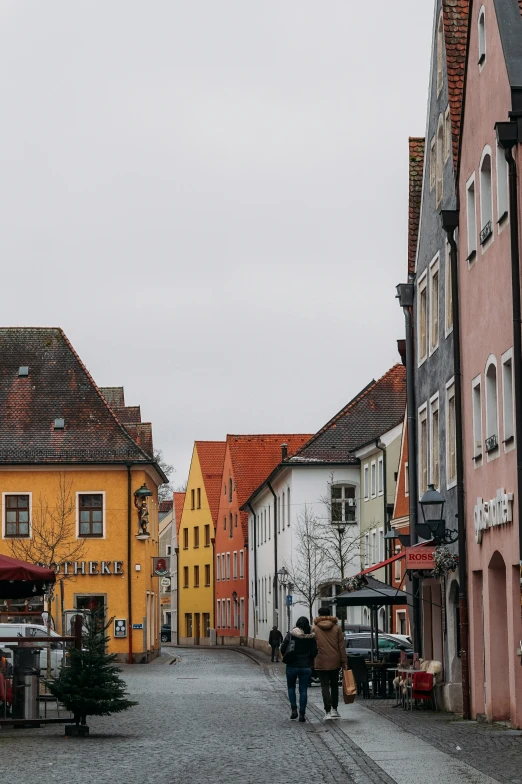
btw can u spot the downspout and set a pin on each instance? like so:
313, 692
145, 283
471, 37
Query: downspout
450, 221
274, 584
213, 543
255, 567
387, 578
129, 559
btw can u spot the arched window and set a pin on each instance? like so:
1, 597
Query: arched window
486, 201
440, 160
491, 406
502, 185
440, 44
482, 37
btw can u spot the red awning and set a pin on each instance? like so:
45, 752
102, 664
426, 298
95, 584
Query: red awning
383, 563
20, 580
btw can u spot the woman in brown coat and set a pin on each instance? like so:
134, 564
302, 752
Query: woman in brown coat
331, 656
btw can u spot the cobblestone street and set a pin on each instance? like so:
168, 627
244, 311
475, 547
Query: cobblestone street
216, 716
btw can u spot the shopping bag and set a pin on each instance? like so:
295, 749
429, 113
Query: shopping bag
349, 687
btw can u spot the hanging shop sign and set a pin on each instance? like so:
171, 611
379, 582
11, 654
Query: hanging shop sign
420, 558
161, 565
489, 514
120, 627
88, 568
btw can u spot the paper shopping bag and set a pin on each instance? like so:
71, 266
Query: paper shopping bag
349, 687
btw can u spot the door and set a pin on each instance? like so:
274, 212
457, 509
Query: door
197, 628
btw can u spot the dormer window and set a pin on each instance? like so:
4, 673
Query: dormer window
23, 371
59, 423
482, 37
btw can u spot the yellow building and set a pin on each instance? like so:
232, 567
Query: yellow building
79, 489
196, 544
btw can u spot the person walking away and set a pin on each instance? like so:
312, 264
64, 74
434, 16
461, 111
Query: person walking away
299, 650
331, 656
275, 638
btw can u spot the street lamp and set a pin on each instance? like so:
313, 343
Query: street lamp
434, 525
284, 581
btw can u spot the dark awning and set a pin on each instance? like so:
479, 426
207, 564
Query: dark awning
21, 580
374, 594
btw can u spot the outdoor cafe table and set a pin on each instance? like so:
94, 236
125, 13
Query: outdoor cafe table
376, 671
408, 672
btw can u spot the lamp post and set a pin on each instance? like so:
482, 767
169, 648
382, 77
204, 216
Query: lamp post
341, 529
284, 581
434, 525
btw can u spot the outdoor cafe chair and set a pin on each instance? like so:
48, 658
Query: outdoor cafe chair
360, 673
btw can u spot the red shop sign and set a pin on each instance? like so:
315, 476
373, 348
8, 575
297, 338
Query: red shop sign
420, 558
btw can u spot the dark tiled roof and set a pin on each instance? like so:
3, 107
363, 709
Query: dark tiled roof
58, 386
141, 433
455, 16
211, 455
416, 146
165, 506
377, 409
114, 396
128, 414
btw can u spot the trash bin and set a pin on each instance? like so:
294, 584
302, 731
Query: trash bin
26, 671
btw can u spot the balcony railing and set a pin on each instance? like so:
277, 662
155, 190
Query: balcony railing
486, 232
491, 443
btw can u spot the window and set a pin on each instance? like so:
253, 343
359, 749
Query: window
423, 451
381, 544
401, 622
230, 490
477, 420
398, 575
235, 521
17, 515
207, 575
196, 577
269, 522
433, 162
491, 407
380, 476
218, 571
440, 45
207, 536
241, 564
234, 566
188, 624
366, 549
223, 573
168, 550
440, 161
482, 38
198, 492
185, 538
502, 185
434, 441
374, 547
451, 436
486, 199
343, 503
228, 566
90, 507
507, 398
218, 619
434, 305
228, 613
406, 479
192, 503
366, 482
449, 293
288, 506
279, 515
284, 510
206, 624
196, 536
231, 527
224, 523
447, 134
471, 211
373, 477
423, 317
185, 577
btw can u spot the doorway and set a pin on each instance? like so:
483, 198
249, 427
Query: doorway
197, 628
498, 698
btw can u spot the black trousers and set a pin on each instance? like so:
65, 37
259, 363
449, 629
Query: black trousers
329, 680
275, 652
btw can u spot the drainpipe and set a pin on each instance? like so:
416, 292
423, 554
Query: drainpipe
255, 568
274, 584
387, 578
450, 222
508, 138
129, 558
213, 543
405, 293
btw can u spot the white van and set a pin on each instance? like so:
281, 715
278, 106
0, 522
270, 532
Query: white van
34, 631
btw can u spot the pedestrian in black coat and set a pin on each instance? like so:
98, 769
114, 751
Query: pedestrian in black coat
275, 638
299, 650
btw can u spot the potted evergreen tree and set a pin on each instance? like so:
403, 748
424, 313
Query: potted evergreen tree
90, 684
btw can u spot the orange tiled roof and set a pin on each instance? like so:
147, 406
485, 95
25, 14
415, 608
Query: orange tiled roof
179, 500
416, 145
211, 455
455, 16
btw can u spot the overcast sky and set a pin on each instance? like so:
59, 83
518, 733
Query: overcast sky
210, 198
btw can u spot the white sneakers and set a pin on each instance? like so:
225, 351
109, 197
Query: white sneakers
334, 714
327, 716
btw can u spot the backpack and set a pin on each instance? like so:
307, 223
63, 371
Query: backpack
290, 651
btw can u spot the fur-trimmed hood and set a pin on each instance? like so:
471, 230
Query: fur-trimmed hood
300, 635
325, 622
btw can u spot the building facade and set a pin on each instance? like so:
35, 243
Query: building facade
165, 518
177, 512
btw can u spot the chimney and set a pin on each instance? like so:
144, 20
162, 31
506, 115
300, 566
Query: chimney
401, 346
284, 451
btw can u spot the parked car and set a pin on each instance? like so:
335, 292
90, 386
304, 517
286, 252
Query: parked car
388, 644
166, 633
354, 628
34, 631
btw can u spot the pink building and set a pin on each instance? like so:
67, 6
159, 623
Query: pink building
494, 71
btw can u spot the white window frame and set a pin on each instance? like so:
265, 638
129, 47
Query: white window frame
241, 564
502, 188
423, 416
218, 613
288, 515
478, 429
380, 476
21, 492
491, 362
434, 269
447, 134
508, 430
406, 479
366, 549
471, 228
448, 292
234, 565
90, 492
434, 439
381, 545
218, 569
433, 162
422, 287
450, 395
485, 153
481, 38
373, 479
374, 547
227, 561
397, 571
366, 475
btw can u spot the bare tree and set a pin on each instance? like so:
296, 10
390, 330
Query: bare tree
308, 569
166, 490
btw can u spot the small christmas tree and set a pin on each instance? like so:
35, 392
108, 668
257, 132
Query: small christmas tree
90, 685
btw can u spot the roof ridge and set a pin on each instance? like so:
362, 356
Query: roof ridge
455, 16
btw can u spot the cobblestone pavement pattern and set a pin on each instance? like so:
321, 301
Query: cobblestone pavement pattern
214, 717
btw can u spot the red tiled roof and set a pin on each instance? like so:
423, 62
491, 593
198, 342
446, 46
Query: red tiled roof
416, 146
455, 16
58, 386
377, 409
211, 455
141, 433
128, 414
165, 506
179, 500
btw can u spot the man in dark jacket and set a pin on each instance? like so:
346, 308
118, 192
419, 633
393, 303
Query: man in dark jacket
331, 656
275, 638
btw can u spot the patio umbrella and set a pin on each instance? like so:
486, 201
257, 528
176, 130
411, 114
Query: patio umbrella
21, 580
